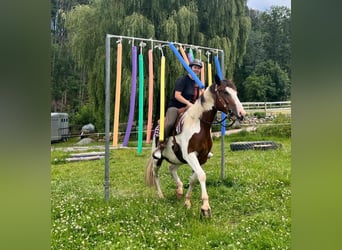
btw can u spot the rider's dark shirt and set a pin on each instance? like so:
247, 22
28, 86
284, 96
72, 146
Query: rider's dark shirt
186, 86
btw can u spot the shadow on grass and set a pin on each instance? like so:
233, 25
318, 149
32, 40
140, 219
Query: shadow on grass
227, 182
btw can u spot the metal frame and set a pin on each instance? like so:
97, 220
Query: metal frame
107, 96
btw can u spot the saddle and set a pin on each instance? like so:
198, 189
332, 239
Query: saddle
177, 128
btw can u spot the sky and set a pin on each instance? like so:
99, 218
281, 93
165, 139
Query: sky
263, 5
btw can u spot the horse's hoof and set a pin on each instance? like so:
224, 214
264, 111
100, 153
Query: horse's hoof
179, 195
205, 213
187, 204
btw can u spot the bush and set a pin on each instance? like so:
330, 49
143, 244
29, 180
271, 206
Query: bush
281, 127
281, 130
84, 116
260, 114
282, 118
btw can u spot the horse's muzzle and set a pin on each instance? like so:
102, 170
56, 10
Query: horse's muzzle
233, 116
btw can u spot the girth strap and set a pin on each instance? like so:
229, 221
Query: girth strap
177, 150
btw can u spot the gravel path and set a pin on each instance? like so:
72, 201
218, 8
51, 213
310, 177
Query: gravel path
86, 148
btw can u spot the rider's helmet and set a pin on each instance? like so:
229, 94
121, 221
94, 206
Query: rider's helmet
195, 62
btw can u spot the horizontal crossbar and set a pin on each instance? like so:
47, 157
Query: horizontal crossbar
197, 47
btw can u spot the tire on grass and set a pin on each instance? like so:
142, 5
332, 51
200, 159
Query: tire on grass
257, 145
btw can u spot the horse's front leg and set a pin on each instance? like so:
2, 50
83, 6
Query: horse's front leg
198, 171
179, 191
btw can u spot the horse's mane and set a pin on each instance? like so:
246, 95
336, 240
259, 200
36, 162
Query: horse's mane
206, 101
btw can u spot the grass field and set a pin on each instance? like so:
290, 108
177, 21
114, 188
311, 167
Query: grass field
250, 206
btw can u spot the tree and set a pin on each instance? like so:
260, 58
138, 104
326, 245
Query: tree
255, 88
277, 36
269, 44
267, 83
227, 28
67, 81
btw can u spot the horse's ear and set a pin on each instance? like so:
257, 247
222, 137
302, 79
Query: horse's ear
217, 79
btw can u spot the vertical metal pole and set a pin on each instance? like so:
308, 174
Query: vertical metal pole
107, 112
222, 136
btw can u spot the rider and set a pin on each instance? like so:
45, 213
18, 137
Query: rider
185, 93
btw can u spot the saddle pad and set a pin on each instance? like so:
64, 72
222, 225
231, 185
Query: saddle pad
156, 131
179, 125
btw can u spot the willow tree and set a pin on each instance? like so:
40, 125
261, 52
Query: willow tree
226, 25
87, 26
220, 24
67, 82
180, 26
82, 30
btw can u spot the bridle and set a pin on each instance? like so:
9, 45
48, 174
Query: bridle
229, 116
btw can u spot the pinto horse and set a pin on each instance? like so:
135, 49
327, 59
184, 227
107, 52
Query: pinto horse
194, 142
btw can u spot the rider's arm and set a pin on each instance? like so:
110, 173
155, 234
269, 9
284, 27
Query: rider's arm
180, 98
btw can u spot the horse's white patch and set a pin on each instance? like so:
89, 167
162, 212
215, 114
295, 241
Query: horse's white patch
191, 125
238, 106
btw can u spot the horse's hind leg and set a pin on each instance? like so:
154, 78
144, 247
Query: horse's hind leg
193, 178
179, 191
156, 166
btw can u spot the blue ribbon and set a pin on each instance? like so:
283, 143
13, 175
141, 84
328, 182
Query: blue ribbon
219, 73
180, 58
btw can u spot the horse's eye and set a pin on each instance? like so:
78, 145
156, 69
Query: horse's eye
226, 93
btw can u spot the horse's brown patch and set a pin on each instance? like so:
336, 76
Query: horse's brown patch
202, 142
230, 84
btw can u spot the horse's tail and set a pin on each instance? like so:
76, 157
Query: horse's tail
149, 179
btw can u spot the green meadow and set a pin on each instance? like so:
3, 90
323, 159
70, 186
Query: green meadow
251, 205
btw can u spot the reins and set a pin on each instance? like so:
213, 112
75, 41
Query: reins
227, 117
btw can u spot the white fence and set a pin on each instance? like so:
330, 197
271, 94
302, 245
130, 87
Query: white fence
267, 106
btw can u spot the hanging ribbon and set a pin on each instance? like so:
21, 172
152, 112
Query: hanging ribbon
190, 58
133, 93
202, 73
223, 115
117, 95
191, 55
162, 99
141, 102
150, 96
210, 79
184, 55
202, 69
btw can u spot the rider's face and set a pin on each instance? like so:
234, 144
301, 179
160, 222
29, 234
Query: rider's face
196, 69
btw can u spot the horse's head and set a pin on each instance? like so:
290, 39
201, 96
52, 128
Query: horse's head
227, 100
